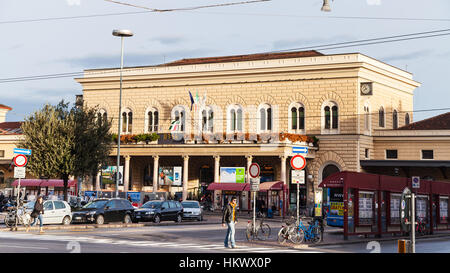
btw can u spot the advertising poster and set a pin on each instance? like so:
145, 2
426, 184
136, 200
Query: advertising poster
232, 175
337, 208
108, 174
170, 176
395, 208
421, 208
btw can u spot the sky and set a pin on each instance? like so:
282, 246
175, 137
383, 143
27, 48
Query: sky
31, 47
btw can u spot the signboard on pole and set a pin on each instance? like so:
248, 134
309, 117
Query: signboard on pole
20, 160
405, 210
19, 172
254, 184
415, 182
298, 162
298, 177
22, 151
254, 170
300, 150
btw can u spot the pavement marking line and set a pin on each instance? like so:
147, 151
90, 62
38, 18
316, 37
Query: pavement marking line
30, 247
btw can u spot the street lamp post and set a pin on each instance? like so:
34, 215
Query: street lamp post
121, 34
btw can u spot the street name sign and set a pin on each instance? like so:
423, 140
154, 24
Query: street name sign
22, 151
19, 172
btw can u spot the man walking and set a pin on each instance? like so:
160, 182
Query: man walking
229, 217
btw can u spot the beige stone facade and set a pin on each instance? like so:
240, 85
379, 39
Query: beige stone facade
278, 83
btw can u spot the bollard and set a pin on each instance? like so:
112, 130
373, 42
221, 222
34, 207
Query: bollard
404, 246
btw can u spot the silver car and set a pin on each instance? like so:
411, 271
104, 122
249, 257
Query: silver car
192, 210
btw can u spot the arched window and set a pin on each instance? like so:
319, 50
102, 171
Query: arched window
394, 119
265, 118
127, 121
366, 118
297, 117
208, 119
102, 116
152, 120
235, 114
330, 116
381, 117
179, 116
407, 119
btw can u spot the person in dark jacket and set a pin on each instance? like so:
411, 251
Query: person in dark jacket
229, 217
38, 210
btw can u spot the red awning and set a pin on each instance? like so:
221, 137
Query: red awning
271, 186
57, 183
229, 186
333, 181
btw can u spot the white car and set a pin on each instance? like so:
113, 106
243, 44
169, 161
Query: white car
192, 210
55, 212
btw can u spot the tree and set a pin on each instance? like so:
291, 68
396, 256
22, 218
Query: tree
65, 142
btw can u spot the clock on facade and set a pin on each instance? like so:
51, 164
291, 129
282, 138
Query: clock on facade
366, 88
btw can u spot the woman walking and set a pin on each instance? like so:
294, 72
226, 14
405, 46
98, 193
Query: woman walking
37, 213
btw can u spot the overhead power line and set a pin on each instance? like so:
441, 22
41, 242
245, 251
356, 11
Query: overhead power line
381, 40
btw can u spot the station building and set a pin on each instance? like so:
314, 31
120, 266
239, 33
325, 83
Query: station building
216, 112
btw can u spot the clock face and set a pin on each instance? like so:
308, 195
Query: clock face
365, 88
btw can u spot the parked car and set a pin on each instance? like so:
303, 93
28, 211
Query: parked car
102, 211
158, 211
192, 210
55, 212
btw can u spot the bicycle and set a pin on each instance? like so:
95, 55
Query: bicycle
421, 228
283, 234
18, 216
262, 230
313, 232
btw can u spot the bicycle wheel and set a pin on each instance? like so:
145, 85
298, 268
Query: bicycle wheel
263, 232
296, 235
249, 232
7, 221
283, 235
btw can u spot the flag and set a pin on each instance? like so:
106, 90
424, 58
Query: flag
174, 125
192, 99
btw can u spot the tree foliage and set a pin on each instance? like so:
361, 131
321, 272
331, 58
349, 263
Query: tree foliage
66, 142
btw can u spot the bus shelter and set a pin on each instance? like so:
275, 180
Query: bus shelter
371, 202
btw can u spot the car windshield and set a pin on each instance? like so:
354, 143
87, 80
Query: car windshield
30, 205
190, 205
95, 204
152, 205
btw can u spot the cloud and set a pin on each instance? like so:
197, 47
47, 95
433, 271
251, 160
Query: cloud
300, 43
73, 2
373, 2
168, 40
407, 56
135, 59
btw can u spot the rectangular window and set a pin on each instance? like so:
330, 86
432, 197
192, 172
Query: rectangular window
395, 209
427, 154
2, 153
443, 209
366, 153
391, 154
365, 208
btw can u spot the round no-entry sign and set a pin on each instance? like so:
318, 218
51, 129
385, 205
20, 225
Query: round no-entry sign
298, 162
20, 160
254, 170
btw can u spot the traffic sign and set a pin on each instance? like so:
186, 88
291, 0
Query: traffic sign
405, 210
299, 150
22, 151
254, 184
415, 182
254, 170
298, 177
19, 172
298, 162
20, 160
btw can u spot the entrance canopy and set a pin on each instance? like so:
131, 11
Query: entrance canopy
271, 186
229, 186
57, 183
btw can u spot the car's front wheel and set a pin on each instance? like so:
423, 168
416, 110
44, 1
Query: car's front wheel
179, 218
66, 221
157, 218
127, 219
100, 220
